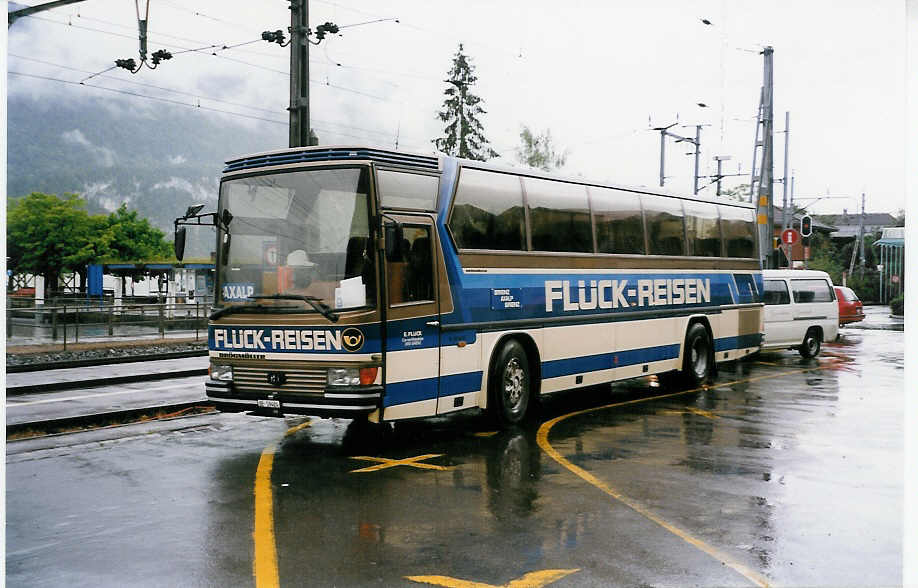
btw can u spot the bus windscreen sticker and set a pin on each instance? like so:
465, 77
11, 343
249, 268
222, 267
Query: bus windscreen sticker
238, 290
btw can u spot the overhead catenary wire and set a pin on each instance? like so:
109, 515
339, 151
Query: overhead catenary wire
323, 128
166, 35
146, 96
203, 51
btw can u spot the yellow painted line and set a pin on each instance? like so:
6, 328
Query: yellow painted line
300, 426
768, 363
698, 411
725, 559
486, 434
530, 580
391, 463
264, 564
706, 414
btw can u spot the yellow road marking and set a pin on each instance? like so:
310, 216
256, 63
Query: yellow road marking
704, 413
300, 426
530, 580
542, 438
391, 463
265, 564
486, 434
698, 411
265, 560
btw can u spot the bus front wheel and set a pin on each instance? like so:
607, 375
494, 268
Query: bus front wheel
510, 384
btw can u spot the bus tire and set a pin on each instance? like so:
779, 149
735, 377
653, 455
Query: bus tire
698, 360
511, 384
811, 344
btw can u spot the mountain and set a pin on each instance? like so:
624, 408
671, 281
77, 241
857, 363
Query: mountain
156, 158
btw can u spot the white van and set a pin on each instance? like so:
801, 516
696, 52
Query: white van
800, 310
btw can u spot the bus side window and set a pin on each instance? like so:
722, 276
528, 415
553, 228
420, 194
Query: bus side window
702, 225
619, 228
665, 227
488, 212
738, 225
411, 280
559, 216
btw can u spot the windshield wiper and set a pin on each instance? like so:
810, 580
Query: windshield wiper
317, 303
217, 313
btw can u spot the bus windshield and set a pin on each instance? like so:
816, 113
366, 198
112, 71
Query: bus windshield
297, 235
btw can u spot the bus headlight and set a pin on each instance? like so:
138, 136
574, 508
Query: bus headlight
224, 373
352, 376
343, 377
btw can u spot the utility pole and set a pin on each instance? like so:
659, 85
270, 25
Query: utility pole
861, 230
664, 132
697, 155
720, 159
785, 181
299, 73
765, 217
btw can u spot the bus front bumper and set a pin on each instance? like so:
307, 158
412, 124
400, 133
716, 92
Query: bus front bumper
346, 402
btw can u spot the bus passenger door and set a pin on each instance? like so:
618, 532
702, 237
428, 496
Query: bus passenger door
413, 324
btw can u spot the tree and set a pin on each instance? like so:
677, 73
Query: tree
826, 257
538, 151
464, 134
129, 238
46, 235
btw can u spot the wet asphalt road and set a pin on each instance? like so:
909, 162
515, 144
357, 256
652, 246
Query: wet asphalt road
785, 472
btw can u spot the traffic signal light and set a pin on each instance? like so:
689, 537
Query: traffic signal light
806, 226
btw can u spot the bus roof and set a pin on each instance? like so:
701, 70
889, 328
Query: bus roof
331, 153
328, 153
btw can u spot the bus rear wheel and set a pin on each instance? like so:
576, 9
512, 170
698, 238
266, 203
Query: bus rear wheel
698, 360
510, 384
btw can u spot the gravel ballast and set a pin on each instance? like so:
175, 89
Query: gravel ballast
32, 355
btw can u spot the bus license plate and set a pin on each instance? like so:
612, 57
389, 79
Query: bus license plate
269, 404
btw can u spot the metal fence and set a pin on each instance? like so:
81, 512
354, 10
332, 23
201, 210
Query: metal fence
93, 319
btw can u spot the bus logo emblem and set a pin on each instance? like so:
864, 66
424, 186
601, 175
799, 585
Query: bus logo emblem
277, 378
352, 339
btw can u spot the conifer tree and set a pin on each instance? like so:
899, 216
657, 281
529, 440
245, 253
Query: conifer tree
464, 134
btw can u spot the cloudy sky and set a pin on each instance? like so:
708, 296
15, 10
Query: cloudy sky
595, 73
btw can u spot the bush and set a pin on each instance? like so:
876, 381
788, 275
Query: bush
867, 287
897, 305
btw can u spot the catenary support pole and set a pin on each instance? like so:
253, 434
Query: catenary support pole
299, 73
765, 217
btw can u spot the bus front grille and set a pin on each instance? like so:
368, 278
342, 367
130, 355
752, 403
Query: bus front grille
295, 381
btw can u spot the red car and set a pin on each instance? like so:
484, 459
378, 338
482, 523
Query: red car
850, 309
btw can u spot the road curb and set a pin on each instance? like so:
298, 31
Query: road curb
97, 382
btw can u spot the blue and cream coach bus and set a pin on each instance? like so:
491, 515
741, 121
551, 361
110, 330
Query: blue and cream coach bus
365, 283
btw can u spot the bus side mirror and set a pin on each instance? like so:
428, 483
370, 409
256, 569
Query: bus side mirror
395, 236
179, 243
